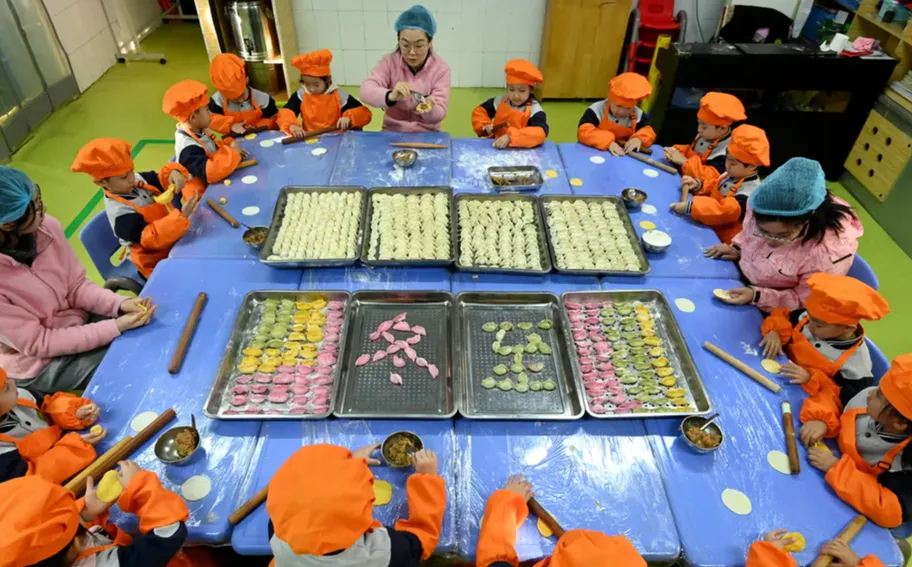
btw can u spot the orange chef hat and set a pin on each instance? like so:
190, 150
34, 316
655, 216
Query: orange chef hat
522, 72
749, 145
104, 157
582, 548
40, 519
896, 385
316, 63
184, 98
321, 500
843, 300
627, 89
721, 109
228, 74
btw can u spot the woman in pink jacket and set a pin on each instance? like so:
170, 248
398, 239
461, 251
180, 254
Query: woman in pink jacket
412, 68
47, 341
793, 229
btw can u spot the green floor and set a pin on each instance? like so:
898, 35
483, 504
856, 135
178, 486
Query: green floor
126, 103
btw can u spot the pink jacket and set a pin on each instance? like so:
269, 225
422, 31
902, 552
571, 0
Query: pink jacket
44, 309
433, 79
781, 274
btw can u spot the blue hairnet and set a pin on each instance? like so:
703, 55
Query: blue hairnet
417, 18
797, 188
16, 191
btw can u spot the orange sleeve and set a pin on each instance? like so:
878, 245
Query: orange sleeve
285, 119
222, 163
155, 506
647, 134
163, 233
820, 382
360, 116
165, 172
695, 168
684, 149
221, 124
713, 212
864, 493
778, 321
529, 137
871, 561
824, 406
765, 554
504, 514
66, 458
61, 408
427, 502
480, 119
591, 135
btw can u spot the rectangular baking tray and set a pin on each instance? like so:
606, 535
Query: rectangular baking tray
247, 319
475, 358
545, 255
625, 218
278, 215
667, 328
507, 173
366, 391
365, 239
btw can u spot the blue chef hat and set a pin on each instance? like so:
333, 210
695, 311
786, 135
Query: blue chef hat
16, 191
797, 188
417, 18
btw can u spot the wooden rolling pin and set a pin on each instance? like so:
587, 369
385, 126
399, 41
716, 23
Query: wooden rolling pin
656, 164
545, 517
222, 213
419, 145
790, 440
119, 452
249, 162
311, 134
846, 535
184, 342
246, 508
747, 370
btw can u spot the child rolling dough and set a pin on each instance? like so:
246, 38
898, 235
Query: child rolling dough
718, 111
771, 552
616, 123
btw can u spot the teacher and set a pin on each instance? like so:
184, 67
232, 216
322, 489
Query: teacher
412, 68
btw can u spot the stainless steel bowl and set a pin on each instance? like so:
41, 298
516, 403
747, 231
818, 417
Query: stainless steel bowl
405, 158
655, 248
255, 236
698, 421
384, 448
634, 198
166, 446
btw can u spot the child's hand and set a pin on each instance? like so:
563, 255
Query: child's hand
425, 462
488, 129
822, 459
344, 123
136, 305
128, 470
633, 145
93, 506
841, 551
238, 128
812, 432
177, 179
88, 412
401, 91
777, 538
365, 453
723, 252
739, 296
797, 374
296, 131
189, 207
674, 156
689, 183
133, 320
502, 142
94, 438
772, 345
616, 149
678, 208
520, 486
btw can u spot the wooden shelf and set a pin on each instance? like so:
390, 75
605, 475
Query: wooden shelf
896, 30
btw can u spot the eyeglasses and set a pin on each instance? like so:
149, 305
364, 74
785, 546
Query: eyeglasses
760, 233
406, 47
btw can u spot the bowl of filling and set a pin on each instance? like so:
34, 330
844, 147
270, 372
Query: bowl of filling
255, 236
633, 198
405, 158
701, 440
397, 449
177, 445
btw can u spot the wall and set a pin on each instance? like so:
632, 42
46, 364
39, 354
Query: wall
710, 12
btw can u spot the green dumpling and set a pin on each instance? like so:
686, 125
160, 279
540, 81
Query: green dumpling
545, 324
518, 358
534, 338
522, 378
535, 367
489, 383
531, 348
506, 384
505, 351
521, 388
549, 385
495, 346
506, 326
517, 368
500, 370
535, 386
489, 327
544, 349
500, 335
525, 326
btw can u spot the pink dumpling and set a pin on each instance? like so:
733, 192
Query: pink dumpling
278, 397
586, 368
303, 380
259, 389
300, 388
606, 375
433, 370
388, 337
419, 330
576, 317
590, 376
230, 411
422, 363
393, 349
385, 326
602, 347
335, 305
253, 410
597, 408
323, 381
401, 326
592, 305
238, 390
605, 366
320, 409
572, 305
324, 370
331, 348
584, 350
321, 390
580, 335
413, 340
257, 398
284, 379
326, 359
410, 352
374, 336
300, 399
401, 344
331, 338
238, 400
320, 401
332, 329
304, 370
299, 410
381, 354
286, 369
362, 360
264, 378
400, 317
243, 379
577, 327
618, 399
398, 361
604, 356
587, 360
597, 337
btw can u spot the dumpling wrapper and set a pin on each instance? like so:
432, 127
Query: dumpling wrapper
779, 461
383, 493
798, 544
736, 501
109, 488
196, 488
543, 529
143, 420
771, 366
685, 305
721, 293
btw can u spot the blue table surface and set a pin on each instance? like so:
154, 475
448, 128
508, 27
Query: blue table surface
553, 283
752, 423
362, 277
366, 160
689, 239
133, 378
473, 156
279, 166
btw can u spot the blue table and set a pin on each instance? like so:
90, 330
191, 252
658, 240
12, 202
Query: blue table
553, 283
752, 422
133, 378
473, 156
366, 160
685, 257
211, 237
363, 277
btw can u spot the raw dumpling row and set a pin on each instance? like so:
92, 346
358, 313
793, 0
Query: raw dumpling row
414, 227
319, 226
498, 234
590, 235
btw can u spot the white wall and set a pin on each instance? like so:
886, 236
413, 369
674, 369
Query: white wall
476, 37
710, 12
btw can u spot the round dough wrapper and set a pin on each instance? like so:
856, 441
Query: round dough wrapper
250, 211
647, 225
383, 493
779, 461
721, 293
267, 143
109, 488
311, 141
227, 182
798, 545
736, 501
685, 305
250, 136
648, 209
142, 420
771, 365
196, 488
319, 151
576, 182
96, 430
552, 173
650, 172
543, 529
597, 159
249, 179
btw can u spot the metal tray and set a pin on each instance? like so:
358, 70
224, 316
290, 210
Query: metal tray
667, 329
248, 316
366, 233
476, 360
545, 256
366, 391
625, 218
508, 175
278, 215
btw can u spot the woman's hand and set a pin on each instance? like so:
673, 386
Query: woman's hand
616, 149
797, 374
401, 91
238, 128
518, 485
344, 123
812, 432
633, 145
94, 438
841, 551
177, 179
296, 131
739, 296
134, 320
88, 412
675, 156
94, 507
136, 305
502, 142
822, 459
678, 208
365, 453
689, 183
777, 538
723, 252
772, 345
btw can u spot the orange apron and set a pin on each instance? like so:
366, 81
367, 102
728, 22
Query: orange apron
805, 355
196, 186
847, 439
320, 111
36, 443
247, 117
705, 155
513, 117
621, 133
145, 260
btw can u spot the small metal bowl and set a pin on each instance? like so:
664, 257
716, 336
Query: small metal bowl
634, 198
166, 446
384, 448
653, 247
698, 421
405, 158
255, 236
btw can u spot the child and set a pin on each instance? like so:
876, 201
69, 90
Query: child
515, 119
318, 101
616, 120
718, 111
770, 552
721, 200
506, 511
320, 504
32, 441
47, 525
235, 106
147, 228
874, 474
207, 161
